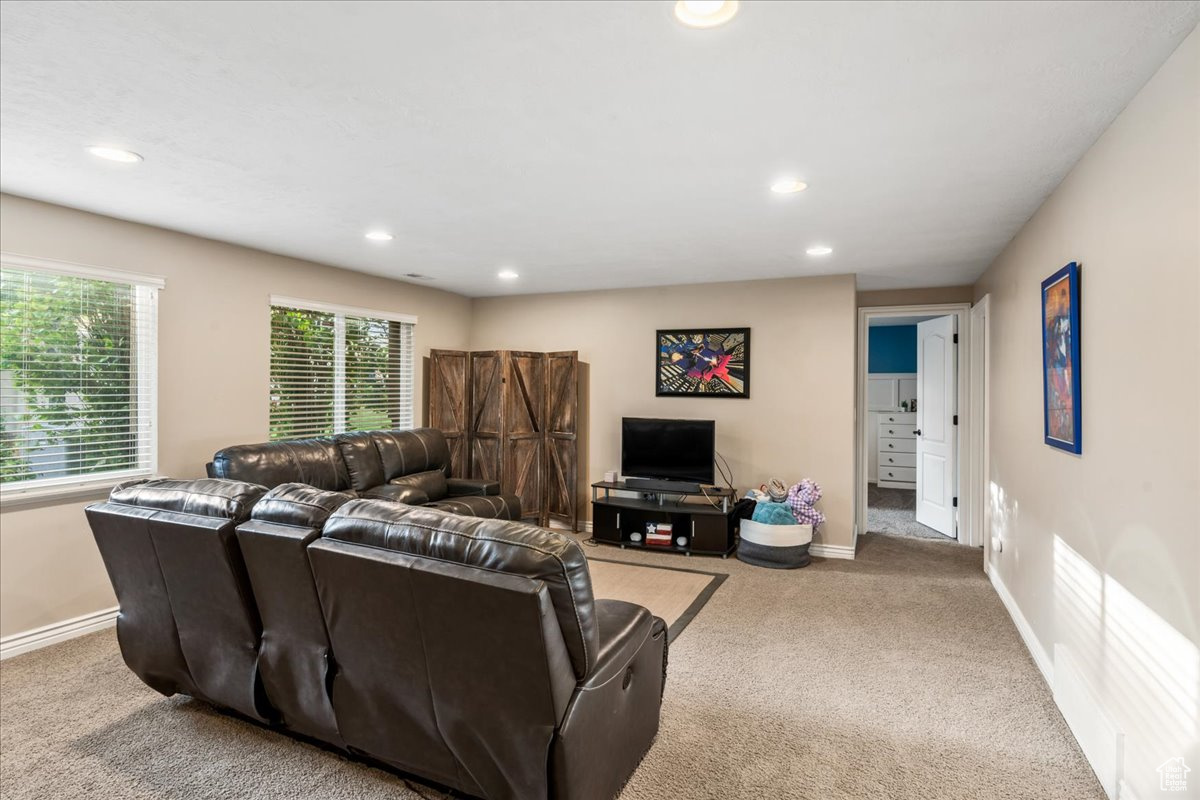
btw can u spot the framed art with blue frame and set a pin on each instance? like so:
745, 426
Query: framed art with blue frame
1061, 359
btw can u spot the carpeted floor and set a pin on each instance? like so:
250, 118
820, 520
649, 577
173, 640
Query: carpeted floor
892, 512
897, 675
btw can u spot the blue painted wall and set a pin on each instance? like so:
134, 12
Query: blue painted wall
892, 348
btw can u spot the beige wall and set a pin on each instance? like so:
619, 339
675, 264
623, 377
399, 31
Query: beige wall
916, 297
213, 363
1102, 551
799, 420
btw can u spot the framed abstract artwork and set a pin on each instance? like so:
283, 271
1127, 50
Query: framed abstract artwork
703, 362
1060, 359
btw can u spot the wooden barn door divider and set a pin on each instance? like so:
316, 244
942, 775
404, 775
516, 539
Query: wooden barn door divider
512, 416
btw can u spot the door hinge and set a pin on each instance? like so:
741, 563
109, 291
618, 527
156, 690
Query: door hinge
956, 419
956, 502
956, 338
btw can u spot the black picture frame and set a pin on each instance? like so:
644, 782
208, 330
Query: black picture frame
702, 362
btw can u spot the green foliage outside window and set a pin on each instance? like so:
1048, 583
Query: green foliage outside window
68, 376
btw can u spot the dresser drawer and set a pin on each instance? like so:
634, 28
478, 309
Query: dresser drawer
891, 459
889, 445
902, 417
897, 430
904, 474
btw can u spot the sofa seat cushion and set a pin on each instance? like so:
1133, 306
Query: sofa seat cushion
410, 495
206, 497
431, 482
460, 486
499, 545
500, 506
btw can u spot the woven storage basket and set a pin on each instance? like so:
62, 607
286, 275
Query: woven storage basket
775, 546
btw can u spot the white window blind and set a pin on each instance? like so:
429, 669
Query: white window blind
78, 376
336, 370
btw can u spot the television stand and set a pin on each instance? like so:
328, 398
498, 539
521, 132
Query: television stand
707, 524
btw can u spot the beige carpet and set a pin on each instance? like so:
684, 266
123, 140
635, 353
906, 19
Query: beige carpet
898, 675
672, 593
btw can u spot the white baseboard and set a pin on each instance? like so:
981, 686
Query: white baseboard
1124, 792
1040, 657
58, 632
832, 551
1102, 742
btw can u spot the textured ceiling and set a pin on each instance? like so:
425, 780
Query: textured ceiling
584, 144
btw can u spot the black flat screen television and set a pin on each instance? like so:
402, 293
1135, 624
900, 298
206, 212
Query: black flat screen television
668, 449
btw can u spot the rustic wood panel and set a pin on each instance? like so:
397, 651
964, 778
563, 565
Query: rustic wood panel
562, 438
524, 430
486, 424
449, 393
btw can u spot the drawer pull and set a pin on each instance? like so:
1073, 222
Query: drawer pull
891, 461
890, 445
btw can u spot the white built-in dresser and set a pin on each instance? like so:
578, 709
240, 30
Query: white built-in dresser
897, 449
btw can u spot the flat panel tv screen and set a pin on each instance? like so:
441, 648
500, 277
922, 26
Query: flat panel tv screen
668, 449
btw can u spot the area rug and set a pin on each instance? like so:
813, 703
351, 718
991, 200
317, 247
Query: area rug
674, 594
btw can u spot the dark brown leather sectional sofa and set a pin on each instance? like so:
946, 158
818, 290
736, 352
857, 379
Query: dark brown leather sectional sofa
408, 466
467, 651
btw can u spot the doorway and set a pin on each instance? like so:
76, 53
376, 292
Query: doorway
912, 420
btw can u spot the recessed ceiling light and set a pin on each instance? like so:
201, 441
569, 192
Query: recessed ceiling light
788, 186
820, 250
507, 275
705, 13
379, 236
114, 154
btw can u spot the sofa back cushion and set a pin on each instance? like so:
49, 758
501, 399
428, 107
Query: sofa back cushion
407, 452
206, 497
294, 660
490, 544
316, 462
189, 529
363, 463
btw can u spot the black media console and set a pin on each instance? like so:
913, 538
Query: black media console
708, 523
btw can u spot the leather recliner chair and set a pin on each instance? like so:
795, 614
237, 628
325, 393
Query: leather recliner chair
468, 651
407, 466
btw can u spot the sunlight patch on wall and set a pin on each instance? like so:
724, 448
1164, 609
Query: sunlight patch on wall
1145, 674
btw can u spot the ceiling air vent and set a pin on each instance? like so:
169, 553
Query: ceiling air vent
416, 276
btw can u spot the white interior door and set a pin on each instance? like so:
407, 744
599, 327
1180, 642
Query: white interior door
937, 446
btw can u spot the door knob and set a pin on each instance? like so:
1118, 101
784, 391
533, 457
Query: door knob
917, 432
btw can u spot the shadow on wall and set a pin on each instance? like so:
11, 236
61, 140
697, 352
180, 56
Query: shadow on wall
1145, 672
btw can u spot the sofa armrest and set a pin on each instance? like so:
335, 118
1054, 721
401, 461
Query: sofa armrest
409, 495
458, 487
615, 709
623, 628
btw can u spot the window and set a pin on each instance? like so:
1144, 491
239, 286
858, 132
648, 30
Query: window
78, 352
338, 369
